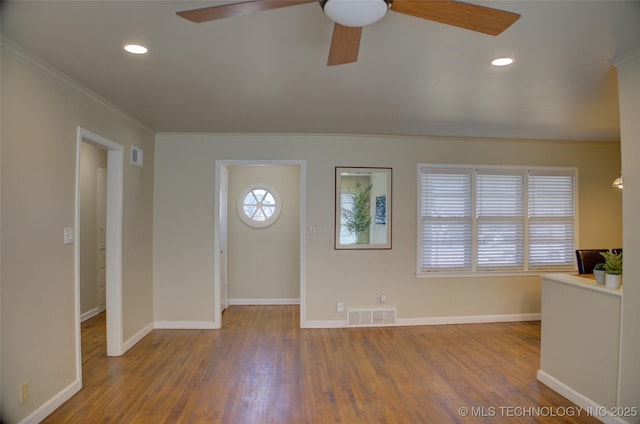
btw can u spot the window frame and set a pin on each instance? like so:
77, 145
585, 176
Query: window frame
474, 271
256, 223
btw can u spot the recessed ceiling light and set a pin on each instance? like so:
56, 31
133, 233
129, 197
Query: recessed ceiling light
502, 61
136, 49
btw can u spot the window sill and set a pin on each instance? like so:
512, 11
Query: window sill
480, 274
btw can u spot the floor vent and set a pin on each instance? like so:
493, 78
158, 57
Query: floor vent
371, 317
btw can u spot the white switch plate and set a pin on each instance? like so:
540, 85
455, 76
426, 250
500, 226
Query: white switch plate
69, 237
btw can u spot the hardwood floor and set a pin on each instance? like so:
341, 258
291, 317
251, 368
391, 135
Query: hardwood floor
261, 368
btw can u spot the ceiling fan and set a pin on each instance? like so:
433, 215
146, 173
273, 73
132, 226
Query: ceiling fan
351, 15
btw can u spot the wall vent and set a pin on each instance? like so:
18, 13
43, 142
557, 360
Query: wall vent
371, 317
136, 156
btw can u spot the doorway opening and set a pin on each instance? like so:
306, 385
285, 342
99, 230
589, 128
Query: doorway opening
92, 247
93, 226
225, 206
112, 241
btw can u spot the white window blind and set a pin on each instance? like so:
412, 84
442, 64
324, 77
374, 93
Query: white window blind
551, 219
447, 219
500, 212
496, 219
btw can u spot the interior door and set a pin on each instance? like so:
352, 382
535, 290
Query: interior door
224, 281
101, 224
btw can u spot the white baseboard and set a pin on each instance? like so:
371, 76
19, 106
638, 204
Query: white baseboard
406, 322
137, 337
184, 325
472, 319
52, 404
90, 314
401, 322
579, 399
264, 301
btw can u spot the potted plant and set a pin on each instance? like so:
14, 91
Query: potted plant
599, 272
358, 220
613, 269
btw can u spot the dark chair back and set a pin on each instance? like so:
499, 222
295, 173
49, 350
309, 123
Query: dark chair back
617, 251
588, 258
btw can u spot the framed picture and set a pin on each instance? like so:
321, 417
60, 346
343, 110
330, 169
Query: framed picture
363, 208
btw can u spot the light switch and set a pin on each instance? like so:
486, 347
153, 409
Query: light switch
69, 237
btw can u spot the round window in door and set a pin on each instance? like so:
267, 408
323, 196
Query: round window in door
259, 206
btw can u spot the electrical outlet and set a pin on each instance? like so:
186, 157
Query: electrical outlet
340, 306
24, 392
383, 298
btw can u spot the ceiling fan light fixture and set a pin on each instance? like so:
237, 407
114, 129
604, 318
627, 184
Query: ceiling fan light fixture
355, 13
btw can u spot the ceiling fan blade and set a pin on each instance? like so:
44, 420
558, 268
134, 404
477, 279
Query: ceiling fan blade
464, 15
212, 13
345, 45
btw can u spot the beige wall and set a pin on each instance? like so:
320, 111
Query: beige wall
41, 112
264, 263
40, 115
92, 159
184, 202
629, 88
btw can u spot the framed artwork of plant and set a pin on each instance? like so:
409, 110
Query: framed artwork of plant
363, 208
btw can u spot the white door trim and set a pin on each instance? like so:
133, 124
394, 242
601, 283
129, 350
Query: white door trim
115, 178
216, 248
223, 264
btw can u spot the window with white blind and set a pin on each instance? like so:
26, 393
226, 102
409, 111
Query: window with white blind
495, 219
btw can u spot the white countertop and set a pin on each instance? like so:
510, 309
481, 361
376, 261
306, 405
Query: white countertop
583, 282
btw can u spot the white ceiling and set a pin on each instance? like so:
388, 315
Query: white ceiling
267, 72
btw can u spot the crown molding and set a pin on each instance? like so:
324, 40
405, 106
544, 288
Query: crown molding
626, 57
7, 44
